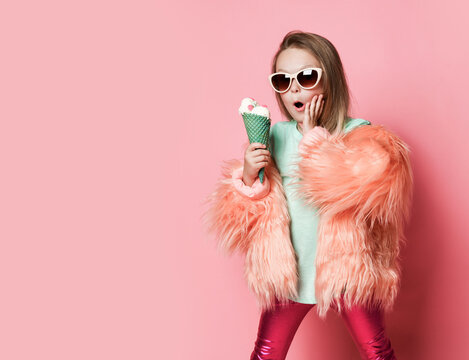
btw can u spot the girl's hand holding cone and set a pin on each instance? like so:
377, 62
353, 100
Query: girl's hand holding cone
256, 157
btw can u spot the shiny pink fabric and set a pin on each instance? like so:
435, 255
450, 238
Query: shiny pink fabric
278, 327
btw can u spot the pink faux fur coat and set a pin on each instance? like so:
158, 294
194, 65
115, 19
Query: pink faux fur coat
360, 182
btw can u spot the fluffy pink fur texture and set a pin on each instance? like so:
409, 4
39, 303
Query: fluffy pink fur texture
258, 229
362, 183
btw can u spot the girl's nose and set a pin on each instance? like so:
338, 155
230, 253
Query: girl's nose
294, 86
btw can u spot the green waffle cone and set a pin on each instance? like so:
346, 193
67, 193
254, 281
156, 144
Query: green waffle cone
258, 129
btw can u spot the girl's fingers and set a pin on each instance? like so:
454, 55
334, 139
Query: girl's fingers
317, 107
257, 145
307, 120
257, 149
260, 152
318, 102
261, 159
313, 110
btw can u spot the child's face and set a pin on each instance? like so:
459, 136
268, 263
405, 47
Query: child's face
292, 60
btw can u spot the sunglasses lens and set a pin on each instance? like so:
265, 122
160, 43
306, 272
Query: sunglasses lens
280, 82
308, 78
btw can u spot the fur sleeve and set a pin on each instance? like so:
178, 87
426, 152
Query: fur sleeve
257, 228
367, 171
233, 209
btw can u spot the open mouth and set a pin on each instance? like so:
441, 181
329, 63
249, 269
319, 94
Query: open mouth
299, 106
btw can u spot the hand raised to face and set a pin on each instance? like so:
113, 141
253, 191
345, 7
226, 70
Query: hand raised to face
313, 110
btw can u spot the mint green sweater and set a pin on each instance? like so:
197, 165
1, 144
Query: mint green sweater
284, 140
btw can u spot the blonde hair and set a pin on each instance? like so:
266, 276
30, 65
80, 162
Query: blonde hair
334, 83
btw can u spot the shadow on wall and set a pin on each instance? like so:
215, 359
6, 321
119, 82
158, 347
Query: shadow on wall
420, 261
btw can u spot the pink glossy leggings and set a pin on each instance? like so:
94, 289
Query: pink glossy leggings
278, 327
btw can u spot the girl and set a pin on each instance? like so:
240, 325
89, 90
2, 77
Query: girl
324, 228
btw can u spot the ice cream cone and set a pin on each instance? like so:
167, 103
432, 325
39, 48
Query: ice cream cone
257, 126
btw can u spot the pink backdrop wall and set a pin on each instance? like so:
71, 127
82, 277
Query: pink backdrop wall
115, 117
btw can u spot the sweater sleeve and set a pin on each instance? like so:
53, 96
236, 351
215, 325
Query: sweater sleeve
366, 171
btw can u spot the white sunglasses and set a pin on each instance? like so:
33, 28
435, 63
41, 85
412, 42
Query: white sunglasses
306, 78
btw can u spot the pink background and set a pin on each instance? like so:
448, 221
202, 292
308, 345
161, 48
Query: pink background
115, 117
